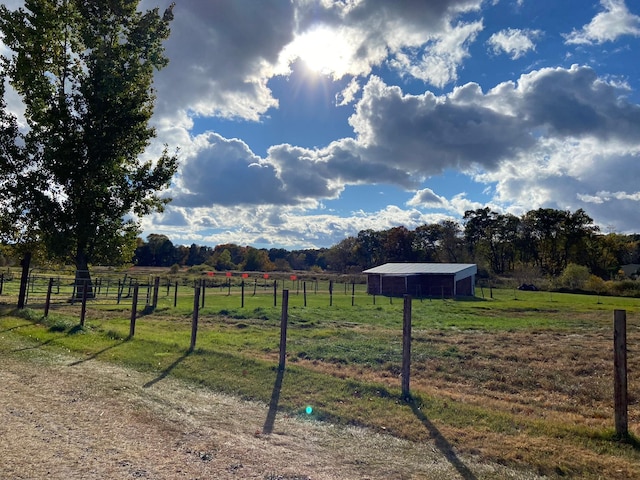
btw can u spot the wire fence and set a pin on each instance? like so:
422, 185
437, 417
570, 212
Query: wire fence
118, 289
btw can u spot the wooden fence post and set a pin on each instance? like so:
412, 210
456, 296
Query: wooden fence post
1, 282
134, 310
620, 373
242, 294
22, 296
48, 300
353, 293
406, 348
275, 293
283, 329
83, 310
330, 293
156, 291
194, 322
175, 296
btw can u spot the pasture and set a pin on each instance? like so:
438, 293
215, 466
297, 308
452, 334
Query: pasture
523, 379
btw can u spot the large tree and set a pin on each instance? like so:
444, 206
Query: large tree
75, 181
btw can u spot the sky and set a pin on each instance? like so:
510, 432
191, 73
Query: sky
300, 123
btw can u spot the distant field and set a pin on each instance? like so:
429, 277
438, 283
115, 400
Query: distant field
523, 378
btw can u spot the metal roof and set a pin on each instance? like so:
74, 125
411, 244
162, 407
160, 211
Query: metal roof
422, 268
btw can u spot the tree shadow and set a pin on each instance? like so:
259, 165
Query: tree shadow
273, 403
167, 370
442, 443
95, 355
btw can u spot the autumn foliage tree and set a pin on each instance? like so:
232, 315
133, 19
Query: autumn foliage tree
74, 180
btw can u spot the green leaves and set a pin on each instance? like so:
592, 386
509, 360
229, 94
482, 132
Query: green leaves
84, 70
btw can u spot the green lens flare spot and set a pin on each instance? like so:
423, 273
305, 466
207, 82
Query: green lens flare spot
308, 410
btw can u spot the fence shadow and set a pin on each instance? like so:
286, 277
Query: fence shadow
273, 403
97, 354
33, 347
16, 327
167, 370
442, 443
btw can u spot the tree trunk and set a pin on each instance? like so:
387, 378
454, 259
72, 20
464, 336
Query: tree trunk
83, 276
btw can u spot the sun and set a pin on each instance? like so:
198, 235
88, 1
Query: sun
323, 52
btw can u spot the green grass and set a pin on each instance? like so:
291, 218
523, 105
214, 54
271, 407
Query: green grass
344, 359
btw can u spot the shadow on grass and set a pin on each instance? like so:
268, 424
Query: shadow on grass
442, 443
34, 347
96, 355
628, 439
16, 327
167, 370
273, 403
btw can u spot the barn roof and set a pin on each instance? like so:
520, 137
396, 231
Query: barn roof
422, 268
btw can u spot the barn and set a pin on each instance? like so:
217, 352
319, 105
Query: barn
422, 279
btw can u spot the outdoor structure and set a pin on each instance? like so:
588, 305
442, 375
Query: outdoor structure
422, 279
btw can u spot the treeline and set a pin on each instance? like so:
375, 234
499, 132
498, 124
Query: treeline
159, 251
546, 240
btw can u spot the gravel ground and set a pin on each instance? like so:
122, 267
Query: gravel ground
70, 418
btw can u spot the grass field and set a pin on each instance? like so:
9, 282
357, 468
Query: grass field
522, 378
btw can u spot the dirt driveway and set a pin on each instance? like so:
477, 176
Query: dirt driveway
69, 418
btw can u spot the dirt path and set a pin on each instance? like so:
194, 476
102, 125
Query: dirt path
64, 418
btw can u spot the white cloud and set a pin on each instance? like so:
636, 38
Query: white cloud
223, 54
514, 42
274, 226
563, 137
402, 139
427, 198
608, 25
348, 95
441, 57
570, 174
221, 57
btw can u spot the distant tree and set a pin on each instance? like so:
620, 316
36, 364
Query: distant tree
370, 248
221, 260
493, 237
162, 250
198, 255
555, 238
281, 265
451, 243
236, 252
84, 70
182, 254
574, 276
398, 245
342, 256
603, 253
278, 254
426, 242
298, 261
595, 284
257, 261
157, 251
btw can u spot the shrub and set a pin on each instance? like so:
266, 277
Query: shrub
574, 276
595, 284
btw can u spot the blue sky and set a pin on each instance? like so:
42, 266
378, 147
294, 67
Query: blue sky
303, 122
